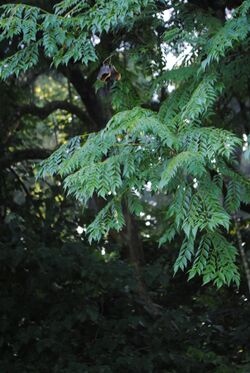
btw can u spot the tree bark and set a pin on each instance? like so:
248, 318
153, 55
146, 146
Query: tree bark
98, 107
137, 259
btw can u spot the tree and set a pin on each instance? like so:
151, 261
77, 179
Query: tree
180, 149
156, 157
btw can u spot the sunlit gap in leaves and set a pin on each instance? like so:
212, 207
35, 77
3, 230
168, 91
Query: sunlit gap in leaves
195, 183
245, 142
171, 60
80, 230
228, 13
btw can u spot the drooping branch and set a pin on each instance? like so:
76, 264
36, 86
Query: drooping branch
23, 155
50, 107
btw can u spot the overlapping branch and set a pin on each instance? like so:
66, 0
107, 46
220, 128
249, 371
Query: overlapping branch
23, 155
50, 107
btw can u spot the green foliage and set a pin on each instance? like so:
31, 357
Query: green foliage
215, 260
110, 217
202, 98
185, 254
79, 289
233, 197
21, 62
180, 150
229, 36
137, 147
66, 33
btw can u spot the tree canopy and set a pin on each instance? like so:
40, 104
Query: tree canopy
137, 115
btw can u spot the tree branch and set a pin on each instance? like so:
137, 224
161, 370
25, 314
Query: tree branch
25, 189
50, 107
97, 110
23, 155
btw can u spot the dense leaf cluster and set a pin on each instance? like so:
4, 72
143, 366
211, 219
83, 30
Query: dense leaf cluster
137, 147
65, 35
177, 151
160, 162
